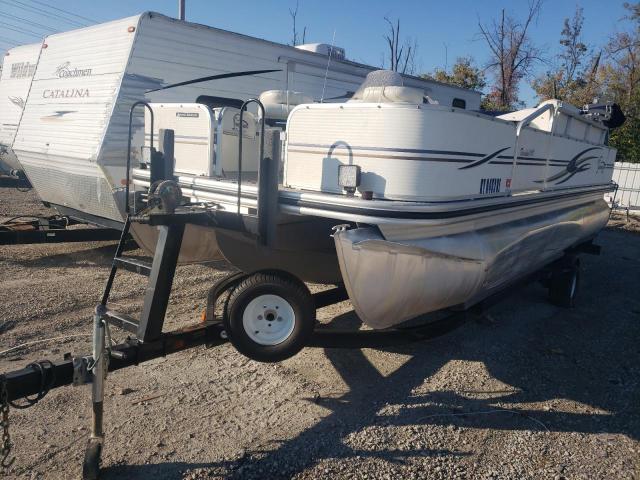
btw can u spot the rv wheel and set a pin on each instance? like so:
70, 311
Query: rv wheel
564, 283
270, 316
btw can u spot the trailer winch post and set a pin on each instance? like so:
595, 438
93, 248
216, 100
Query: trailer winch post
161, 167
268, 188
91, 465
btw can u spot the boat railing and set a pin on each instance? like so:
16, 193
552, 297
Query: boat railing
128, 167
520, 126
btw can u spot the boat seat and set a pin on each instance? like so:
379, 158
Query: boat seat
279, 103
517, 115
392, 94
569, 121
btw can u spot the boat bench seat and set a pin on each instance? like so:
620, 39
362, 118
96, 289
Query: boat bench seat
279, 103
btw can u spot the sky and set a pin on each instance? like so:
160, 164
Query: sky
443, 30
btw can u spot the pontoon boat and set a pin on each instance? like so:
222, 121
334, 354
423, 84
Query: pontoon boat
413, 206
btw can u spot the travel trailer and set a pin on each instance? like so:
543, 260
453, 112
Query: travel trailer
18, 67
71, 140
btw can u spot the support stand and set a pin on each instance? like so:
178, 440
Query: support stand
91, 464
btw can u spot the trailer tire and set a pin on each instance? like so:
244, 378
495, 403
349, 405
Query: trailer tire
564, 282
270, 316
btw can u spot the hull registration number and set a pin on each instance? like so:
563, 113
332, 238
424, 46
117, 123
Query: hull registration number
490, 185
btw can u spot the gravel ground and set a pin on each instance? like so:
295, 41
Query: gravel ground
527, 391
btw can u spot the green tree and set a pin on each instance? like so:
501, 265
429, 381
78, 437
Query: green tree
582, 90
573, 78
463, 74
620, 82
611, 75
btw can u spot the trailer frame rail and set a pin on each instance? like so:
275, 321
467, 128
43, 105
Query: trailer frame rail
23, 230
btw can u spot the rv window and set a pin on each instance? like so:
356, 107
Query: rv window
215, 102
459, 103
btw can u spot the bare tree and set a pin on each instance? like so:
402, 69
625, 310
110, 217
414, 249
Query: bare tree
294, 15
512, 53
401, 53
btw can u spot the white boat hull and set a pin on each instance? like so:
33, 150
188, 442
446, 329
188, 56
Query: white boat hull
430, 153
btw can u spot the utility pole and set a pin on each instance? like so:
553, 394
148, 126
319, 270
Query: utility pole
181, 9
446, 56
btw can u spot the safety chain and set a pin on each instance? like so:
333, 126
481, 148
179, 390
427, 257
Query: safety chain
5, 450
40, 367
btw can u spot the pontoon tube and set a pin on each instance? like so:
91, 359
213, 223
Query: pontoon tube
391, 282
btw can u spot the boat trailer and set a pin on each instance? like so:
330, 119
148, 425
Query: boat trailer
146, 339
26, 387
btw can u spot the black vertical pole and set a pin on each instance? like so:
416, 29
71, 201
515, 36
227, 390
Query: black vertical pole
156, 297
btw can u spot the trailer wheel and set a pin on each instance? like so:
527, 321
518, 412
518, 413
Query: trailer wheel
564, 282
270, 316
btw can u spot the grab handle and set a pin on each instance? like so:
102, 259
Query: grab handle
523, 123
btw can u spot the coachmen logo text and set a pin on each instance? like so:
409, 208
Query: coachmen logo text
65, 71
